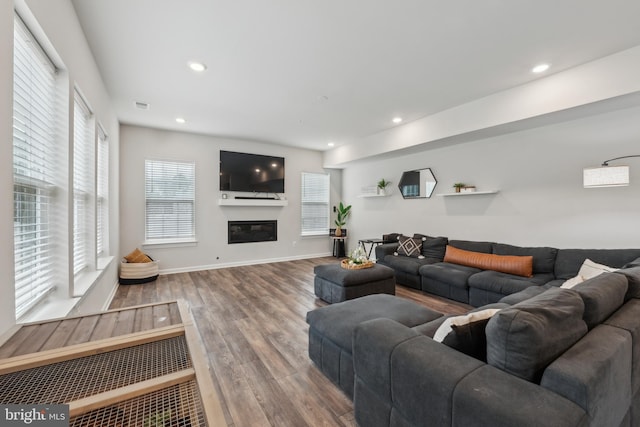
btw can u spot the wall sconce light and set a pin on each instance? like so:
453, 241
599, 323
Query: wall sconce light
607, 176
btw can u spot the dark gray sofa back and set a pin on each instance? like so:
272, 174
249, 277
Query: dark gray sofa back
602, 296
544, 258
568, 261
468, 245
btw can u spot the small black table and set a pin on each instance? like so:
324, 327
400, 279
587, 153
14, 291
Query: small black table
373, 241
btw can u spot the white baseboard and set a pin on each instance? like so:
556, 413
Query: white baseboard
112, 294
240, 263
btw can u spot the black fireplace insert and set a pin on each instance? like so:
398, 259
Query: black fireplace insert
252, 231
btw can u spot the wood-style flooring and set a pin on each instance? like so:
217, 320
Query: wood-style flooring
252, 322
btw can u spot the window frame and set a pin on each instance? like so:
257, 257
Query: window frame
314, 198
36, 176
182, 198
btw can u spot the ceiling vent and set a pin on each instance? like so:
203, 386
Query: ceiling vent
142, 105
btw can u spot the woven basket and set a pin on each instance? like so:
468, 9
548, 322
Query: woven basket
345, 264
135, 273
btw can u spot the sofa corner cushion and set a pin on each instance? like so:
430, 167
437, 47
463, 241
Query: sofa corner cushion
524, 339
433, 247
510, 264
410, 247
466, 333
633, 277
602, 296
544, 258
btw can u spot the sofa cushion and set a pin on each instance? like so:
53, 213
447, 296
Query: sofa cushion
506, 284
569, 261
518, 265
337, 321
466, 333
523, 295
588, 270
453, 274
544, 258
602, 295
633, 278
634, 263
341, 276
409, 247
407, 264
433, 247
524, 339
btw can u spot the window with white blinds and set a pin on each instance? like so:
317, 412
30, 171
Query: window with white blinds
34, 169
170, 200
315, 204
83, 149
102, 203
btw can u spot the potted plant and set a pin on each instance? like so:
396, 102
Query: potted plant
341, 219
458, 186
382, 185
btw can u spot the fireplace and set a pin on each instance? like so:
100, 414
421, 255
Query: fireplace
252, 231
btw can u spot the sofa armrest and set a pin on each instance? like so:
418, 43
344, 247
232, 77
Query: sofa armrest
408, 379
386, 249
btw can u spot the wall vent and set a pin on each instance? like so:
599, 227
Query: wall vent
142, 105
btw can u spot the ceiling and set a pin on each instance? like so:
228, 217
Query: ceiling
306, 73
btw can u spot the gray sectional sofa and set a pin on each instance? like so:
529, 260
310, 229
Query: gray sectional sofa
551, 267
554, 357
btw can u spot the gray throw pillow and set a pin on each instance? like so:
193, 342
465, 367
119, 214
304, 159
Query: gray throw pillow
524, 339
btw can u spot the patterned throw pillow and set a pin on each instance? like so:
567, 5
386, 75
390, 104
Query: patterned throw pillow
409, 247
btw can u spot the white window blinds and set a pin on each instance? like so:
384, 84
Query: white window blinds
315, 204
102, 204
83, 148
170, 200
34, 171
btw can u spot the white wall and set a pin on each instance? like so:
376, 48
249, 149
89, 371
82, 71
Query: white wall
55, 24
212, 250
539, 175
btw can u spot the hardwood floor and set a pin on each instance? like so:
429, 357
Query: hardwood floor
252, 322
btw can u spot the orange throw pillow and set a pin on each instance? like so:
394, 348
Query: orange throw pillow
510, 264
137, 256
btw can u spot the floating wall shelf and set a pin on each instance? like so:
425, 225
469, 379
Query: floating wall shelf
474, 193
252, 202
372, 195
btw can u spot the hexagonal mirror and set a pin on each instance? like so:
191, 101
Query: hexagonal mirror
417, 184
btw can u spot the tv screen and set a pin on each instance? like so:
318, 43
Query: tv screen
251, 172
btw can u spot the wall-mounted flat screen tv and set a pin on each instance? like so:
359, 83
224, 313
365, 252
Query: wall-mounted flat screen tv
251, 172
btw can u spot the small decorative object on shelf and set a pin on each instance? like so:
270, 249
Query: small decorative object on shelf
459, 186
468, 189
357, 260
382, 186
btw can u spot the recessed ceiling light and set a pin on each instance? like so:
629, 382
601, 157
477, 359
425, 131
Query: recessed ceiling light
257, 170
397, 120
540, 68
180, 120
197, 66
331, 144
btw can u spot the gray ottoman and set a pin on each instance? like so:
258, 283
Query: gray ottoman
331, 329
336, 284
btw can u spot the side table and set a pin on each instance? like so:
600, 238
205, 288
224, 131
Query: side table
373, 241
338, 246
